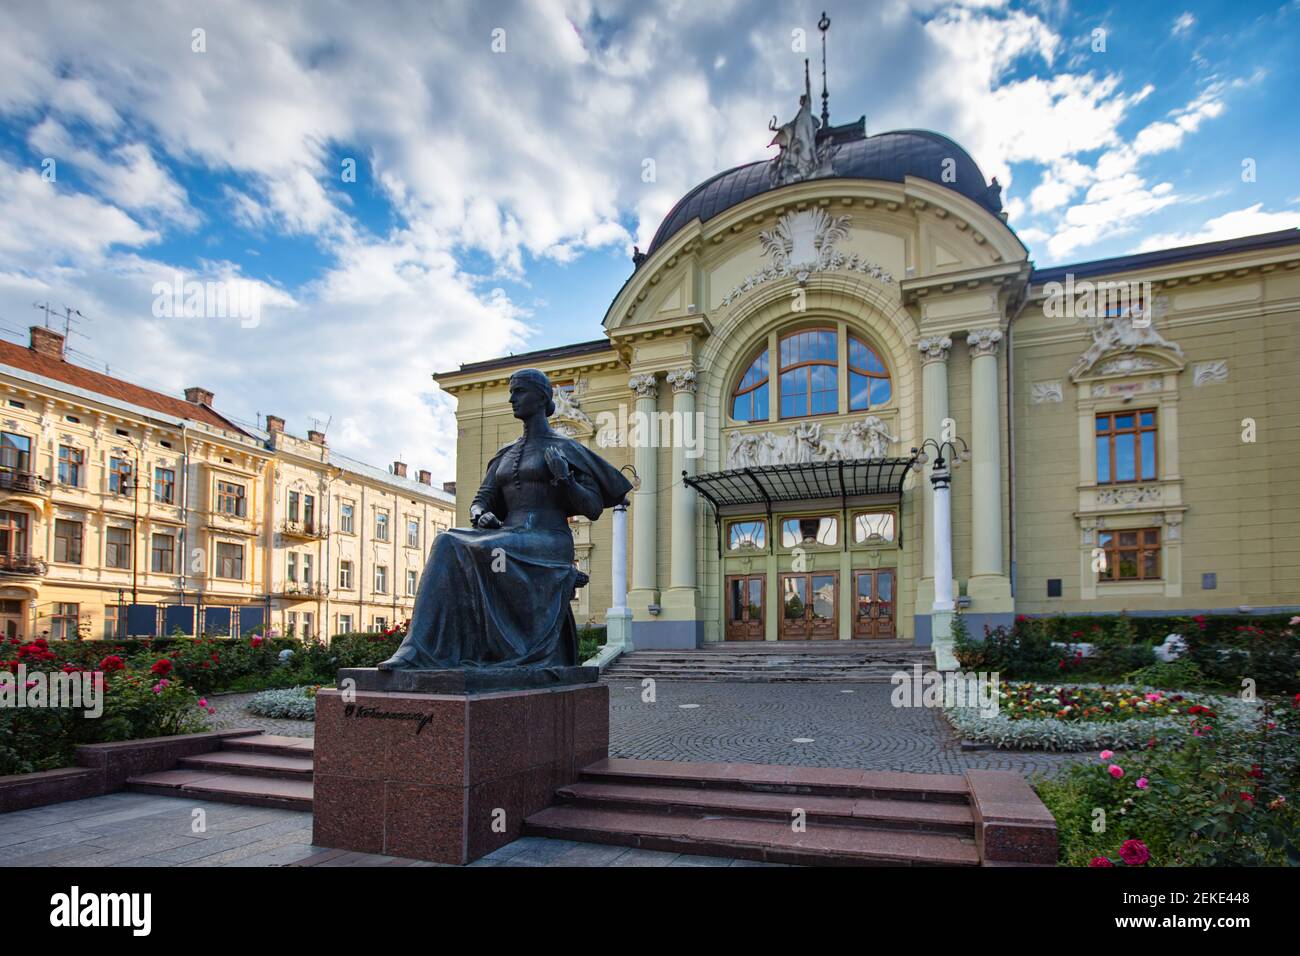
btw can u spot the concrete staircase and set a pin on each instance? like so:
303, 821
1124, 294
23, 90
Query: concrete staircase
261, 770
829, 661
853, 817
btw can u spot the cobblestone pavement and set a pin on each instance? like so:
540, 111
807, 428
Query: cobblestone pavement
230, 714
842, 725
140, 829
838, 725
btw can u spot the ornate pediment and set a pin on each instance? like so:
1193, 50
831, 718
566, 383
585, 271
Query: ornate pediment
802, 243
569, 419
1127, 344
860, 439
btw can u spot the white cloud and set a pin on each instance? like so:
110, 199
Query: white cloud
1184, 23
1231, 225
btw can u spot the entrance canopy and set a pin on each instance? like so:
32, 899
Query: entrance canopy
768, 484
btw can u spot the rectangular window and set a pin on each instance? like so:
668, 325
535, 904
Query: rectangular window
809, 530
306, 570
346, 512
381, 525
293, 506
67, 541
65, 622
345, 575
231, 500
163, 554
291, 569
164, 486
873, 527
381, 623
308, 510
413, 532
117, 548
1126, 446
13, 533
291, 623
308, 625
746, 535
119, 477
381, 579
71, 461
345, 623
412, 580
230, 561
15, 453
1130, 555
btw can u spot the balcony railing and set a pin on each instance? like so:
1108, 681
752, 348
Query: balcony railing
22, 565
292, 589
23, 481
302, 529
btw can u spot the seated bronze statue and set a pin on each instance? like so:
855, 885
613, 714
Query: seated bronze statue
497, 594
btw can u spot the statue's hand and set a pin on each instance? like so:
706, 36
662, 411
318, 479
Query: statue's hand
558, 464
486, 519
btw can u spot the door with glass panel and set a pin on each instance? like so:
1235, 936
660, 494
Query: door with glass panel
873, 604
745, 607
808, 603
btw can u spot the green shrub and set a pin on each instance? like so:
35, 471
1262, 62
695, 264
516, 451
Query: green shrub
295, 703
590, 641
1215, 796
1182, 673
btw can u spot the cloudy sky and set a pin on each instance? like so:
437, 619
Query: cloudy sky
499, 152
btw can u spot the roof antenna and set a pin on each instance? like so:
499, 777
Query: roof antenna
823, 25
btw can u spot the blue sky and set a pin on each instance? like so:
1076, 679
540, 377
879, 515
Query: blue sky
498, 191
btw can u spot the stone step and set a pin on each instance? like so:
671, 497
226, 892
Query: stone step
226, 788
252, 763
271, 744
928, 817
771, 778
753, 839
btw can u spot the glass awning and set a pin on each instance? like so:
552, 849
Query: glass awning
768, 484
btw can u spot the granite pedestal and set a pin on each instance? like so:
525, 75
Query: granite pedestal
409, 768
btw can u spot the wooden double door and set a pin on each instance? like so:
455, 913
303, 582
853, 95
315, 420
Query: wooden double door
873, 604
809, 606
746, 607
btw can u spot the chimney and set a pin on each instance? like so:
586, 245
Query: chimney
316, 437
47, 342
424, 477
449, 487
399, 469
199, 396
274, 423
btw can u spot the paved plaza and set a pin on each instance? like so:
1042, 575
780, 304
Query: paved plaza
797, 724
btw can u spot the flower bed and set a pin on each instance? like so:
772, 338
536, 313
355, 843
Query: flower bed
1086, 716
1218, 794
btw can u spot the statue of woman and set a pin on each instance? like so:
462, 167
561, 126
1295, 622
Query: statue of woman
497, 594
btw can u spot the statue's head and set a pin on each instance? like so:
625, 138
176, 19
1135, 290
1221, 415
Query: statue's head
530, 390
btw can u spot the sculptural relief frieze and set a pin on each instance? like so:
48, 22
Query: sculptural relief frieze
863, 438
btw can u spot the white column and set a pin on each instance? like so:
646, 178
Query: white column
645, 510
618, 619
986, 479
682, 569
934, 409
941, 539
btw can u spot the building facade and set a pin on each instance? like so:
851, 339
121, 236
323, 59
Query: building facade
798, 327
127, 512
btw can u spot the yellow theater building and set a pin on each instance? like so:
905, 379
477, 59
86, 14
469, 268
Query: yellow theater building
1129, 424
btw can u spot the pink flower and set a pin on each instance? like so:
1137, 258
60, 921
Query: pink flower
1100, 861
212, 710
1134, 852
1115, 770
1142, 783
1153, 697
203, 702
1107, 754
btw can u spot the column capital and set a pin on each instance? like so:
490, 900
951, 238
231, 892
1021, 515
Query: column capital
983, 341
934, 348
685, 379
645, 386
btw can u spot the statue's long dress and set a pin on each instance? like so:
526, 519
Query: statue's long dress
500, 597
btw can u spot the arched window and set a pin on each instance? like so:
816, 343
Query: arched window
809, 374
749, 401
868, 379
808, 378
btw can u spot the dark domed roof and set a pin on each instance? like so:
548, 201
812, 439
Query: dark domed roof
885, 156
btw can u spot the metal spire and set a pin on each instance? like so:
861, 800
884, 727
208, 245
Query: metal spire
823, 25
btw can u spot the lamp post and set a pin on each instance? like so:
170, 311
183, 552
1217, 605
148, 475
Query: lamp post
945, 452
